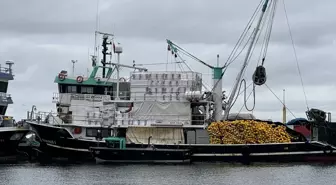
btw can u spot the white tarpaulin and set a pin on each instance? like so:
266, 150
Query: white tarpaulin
140, 135
162, 112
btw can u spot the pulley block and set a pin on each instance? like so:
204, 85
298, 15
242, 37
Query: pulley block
259, 76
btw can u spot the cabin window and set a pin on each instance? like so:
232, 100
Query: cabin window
61, 89
93, 132
72, 89
87, 90
108, 91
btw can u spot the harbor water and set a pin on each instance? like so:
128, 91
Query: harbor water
35, 174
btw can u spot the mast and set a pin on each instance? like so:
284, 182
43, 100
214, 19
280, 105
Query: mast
118, 50
217, 91
284, 109
240, 74
104, 51
73, 66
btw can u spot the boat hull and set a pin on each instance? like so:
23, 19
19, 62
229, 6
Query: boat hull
308, 152
10, 138
141, 155
57, 144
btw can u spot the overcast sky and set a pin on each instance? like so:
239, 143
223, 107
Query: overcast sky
42, 37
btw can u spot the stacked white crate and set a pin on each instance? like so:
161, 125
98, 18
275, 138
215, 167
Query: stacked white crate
126, 119
141, 84
163, 86
86, 112
108, 114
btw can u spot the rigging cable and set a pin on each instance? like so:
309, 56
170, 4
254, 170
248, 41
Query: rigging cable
259, 76
253, 90
296, 58
204, 84
242, 36
279, 100
268, 32
230, 60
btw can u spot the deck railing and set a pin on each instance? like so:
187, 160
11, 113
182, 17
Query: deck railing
117, 119
6, 70
65, 98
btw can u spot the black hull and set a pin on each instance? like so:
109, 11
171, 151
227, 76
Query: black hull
246, 154
57, 143
141, 155
10, 150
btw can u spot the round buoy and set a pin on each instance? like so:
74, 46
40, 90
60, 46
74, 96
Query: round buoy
77, 130
61, 76
79, 79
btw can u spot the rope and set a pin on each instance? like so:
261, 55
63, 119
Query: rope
244, 91
241, 108
296, 58
259, 76
205, 85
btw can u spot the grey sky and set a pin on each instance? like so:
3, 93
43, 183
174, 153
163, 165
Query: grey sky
42, 37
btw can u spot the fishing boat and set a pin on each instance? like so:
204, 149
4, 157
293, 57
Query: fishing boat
11, 133
167, 110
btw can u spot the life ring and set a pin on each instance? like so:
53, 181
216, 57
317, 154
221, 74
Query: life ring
77, 130
79, 79
328, 150
61, 76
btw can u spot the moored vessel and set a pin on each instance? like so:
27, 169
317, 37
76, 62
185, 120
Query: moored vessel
11, 133
172, 108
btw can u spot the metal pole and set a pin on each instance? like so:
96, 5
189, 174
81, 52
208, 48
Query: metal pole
117, 66
240, 74
73, 66
284, 108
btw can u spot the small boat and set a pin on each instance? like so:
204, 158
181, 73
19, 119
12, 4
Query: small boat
11, 133
116, 152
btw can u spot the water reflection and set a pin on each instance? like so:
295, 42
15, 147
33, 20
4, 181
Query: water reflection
167, 174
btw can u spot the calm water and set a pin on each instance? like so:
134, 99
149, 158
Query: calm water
167, 174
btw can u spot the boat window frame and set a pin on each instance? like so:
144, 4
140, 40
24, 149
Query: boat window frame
71, 89
105, 132
87, 90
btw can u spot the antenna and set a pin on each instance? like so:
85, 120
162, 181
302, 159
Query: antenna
87, 69
10, 64
73, 66
97, 27
118, 50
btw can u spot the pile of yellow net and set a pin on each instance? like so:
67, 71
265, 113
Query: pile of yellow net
247, 132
